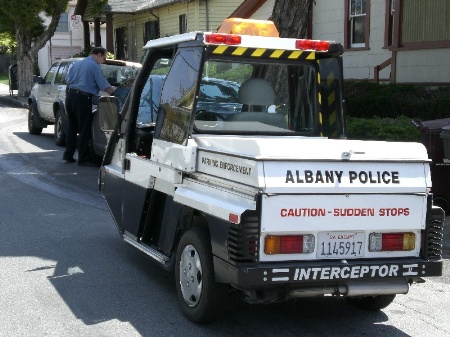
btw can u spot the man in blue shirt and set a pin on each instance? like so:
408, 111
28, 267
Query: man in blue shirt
84, 80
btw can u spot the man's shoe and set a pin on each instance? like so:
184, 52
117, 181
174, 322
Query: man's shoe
87, 163
69, 159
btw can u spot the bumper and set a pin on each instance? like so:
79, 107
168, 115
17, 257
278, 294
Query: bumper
326, 272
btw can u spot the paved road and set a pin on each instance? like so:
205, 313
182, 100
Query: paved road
66, 272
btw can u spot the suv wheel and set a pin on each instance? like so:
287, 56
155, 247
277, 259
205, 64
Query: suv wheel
59, 134
31, 123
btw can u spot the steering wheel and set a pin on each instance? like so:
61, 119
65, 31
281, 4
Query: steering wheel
204, 115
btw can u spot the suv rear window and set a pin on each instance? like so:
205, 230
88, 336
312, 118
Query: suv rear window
116, 74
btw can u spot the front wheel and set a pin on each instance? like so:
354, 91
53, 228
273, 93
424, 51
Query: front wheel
200, 297
59, 135
31, 123
372, 303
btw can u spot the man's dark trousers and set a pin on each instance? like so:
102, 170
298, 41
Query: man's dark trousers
79, 113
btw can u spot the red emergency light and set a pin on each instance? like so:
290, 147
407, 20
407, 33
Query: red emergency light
223, 39
316, 45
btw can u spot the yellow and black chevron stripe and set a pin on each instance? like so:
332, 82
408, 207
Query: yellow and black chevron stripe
262, 53
329, 99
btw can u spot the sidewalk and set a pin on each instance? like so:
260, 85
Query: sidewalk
15, 100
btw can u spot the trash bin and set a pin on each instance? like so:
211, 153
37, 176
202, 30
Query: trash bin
12, 78
435, 135
445, 135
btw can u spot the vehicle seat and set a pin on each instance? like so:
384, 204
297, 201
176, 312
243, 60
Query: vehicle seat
256, 94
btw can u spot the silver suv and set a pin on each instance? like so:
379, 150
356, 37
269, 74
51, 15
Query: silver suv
46, 101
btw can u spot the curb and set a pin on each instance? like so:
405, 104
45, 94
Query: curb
13, 101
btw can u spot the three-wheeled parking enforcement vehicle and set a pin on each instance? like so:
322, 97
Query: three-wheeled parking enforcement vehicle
254, 188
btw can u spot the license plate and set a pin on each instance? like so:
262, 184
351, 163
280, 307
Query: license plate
340, 245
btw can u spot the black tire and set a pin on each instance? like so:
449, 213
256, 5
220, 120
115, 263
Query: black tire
442, 203
371, 303
59, 135
32, 129
200, 297
94, 157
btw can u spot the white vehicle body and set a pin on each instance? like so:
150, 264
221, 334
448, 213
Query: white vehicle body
263, 204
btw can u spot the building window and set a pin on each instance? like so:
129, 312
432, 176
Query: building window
63, 24
417, 24
183, 23
390, 23
357, 24
151, 30
425, 21
122, 43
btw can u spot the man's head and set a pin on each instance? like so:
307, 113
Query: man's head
99, 54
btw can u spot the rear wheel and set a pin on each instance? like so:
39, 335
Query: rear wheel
59, 134
442, 203
31, 123
372, 303
200, 297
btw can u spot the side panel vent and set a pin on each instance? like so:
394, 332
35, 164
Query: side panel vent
243, 239
434, 234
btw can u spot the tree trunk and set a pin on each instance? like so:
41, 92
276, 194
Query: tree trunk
28, 46
292, 17
25, 64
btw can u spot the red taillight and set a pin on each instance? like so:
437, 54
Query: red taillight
391, 242
289, 244
223, 38
234, 218
317, 45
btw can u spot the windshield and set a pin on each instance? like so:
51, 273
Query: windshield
252, 97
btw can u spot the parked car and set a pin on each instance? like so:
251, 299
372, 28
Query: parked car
216, 99
46, 101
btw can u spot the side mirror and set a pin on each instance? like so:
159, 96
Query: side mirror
108, 113
38, 79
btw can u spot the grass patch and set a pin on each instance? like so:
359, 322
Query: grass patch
4, 79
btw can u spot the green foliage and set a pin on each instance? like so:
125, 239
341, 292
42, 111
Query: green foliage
87, 51
376, 128
368, 99
8, 44
97, 5
84, 53
385, 111
227, 71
